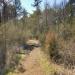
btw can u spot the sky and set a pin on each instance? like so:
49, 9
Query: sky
27, 4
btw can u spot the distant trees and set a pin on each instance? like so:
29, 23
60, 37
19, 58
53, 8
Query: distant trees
72, 7
24, 14
46, 13
37, 5
10, 9
52, 16
24, 22
70, 11
38, 13
18, 8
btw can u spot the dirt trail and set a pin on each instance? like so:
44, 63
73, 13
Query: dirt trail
32, 65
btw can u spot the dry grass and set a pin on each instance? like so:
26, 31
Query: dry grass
61, 51
50, 37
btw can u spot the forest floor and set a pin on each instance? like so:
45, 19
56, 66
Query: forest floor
36, 63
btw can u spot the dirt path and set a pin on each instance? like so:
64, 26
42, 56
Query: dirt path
32, 65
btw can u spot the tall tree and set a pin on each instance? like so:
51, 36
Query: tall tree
18, 8
37, 5
24, 19
7, 10
38, 13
